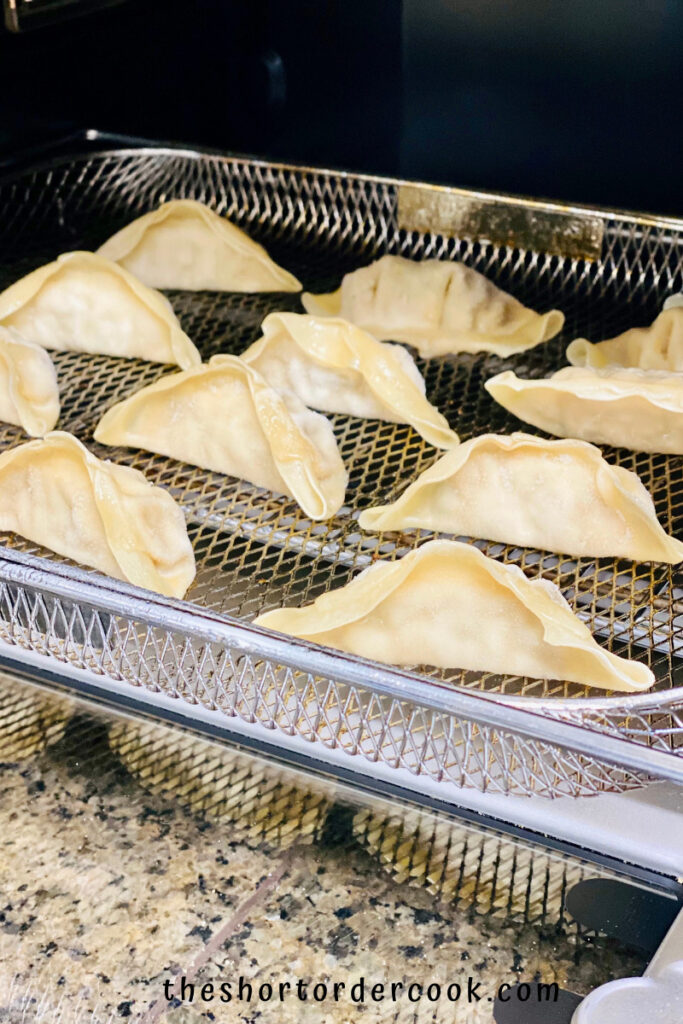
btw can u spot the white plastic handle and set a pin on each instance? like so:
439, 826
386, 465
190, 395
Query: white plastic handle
656, 998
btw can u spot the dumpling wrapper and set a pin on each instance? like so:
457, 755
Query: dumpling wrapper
448, 605
657, 347
85, 303
225, 417
523, 490
437, 306
29, 395
186, 245
57, 494
334, 366
627, 408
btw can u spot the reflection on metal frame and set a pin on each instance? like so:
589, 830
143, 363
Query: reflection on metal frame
256, 551
23, 15
524, 223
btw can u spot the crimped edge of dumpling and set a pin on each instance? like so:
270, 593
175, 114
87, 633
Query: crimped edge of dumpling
652, 340
327, 304
360, 597
551, 324
110, 483
380, 365
293, 451
582, 352
434, 342
540, 327
609, 384
35, 416
122, 244
628, 485
281, 417
26, 288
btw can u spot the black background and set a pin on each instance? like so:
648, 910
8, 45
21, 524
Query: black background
568, 99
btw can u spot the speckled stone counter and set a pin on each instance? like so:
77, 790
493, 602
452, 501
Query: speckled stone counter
133, 856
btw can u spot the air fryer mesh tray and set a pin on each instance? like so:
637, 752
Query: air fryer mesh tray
256, 551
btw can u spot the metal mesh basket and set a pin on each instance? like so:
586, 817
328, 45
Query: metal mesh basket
257, 551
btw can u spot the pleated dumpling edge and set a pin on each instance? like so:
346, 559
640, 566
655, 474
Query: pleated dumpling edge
29, 393
440, 307
131, 321
558, 495
448, 605
657, 347
335, 366
323, 304
56, 493
228, 419
622, 406
195, 249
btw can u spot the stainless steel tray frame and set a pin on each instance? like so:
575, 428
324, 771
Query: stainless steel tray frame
431, 731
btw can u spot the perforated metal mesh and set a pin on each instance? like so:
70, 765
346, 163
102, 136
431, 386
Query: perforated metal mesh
477, 870
271, 808
220, 784
257, 551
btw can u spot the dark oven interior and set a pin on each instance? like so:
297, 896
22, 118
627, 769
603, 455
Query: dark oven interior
544, 98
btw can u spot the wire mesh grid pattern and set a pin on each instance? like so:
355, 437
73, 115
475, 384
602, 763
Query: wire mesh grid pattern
267, 806
481, 871
256, 551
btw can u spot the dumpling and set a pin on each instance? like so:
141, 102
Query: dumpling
225, 417
186, 245
29, 396
84, 303
57, 494
436, 305
627, 408
657, 347
334, 366
518, 489
448, 605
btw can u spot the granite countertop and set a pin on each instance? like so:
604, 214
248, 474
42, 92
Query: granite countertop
132, 855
